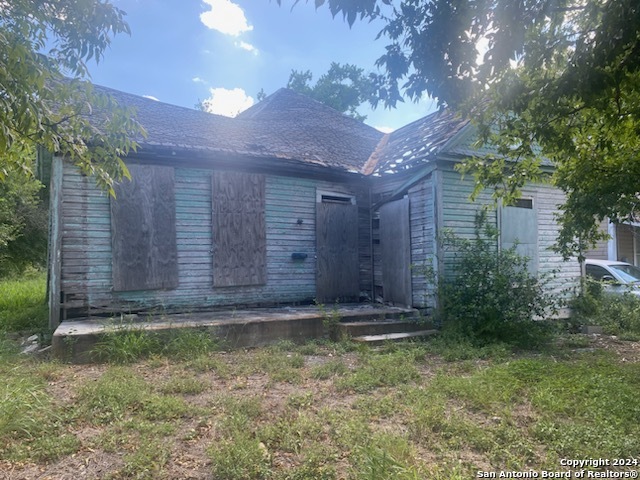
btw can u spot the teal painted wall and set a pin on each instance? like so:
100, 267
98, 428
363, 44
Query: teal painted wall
86, 246
458, 215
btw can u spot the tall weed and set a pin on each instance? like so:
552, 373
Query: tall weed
128, 343
489, 295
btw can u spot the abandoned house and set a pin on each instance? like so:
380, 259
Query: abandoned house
288, 203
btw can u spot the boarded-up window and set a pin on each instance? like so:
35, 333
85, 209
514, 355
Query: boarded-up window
239, 230
519, 228
143, 230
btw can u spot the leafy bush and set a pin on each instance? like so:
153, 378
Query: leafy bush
617, 314
23, 224
490, 295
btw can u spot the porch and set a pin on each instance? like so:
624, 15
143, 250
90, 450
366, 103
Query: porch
75, 340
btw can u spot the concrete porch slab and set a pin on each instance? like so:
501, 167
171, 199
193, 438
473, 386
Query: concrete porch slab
75, 339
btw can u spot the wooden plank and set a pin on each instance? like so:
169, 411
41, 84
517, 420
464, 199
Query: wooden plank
143, 223
239, 229
337, 251
395, 241
54, 271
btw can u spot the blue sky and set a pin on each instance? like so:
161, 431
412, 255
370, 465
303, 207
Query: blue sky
224, 51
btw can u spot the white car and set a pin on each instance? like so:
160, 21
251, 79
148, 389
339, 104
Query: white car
617, 277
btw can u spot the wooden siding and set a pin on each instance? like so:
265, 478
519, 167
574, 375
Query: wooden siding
290, 212
421, 219
54, 254
565, 275
459, 214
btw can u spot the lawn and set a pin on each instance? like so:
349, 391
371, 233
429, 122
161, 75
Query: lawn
184, 408
321, 411
22, 304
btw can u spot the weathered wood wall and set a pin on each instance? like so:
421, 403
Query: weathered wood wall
600, 251
421, 220
395, 242
290, 210
458, 215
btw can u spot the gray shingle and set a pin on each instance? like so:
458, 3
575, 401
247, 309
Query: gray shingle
286, 125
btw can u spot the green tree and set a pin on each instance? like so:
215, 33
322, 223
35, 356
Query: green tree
343, 88
559, 78
45, 96
23, 223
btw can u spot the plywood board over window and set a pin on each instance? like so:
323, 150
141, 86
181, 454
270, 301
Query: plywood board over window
519, 228
239, 229
395, 243
143, 230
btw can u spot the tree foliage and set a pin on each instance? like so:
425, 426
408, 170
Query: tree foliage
45, 97
343, 88
23, 223
552, 78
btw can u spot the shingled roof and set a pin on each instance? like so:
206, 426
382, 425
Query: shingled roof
339, 135
415, 144
286, 125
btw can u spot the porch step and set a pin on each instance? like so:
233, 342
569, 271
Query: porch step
393, 337
355, 329
375, 315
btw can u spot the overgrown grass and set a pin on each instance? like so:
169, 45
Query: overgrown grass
386, 370
32, 426
22, 304
128, 343
399, 411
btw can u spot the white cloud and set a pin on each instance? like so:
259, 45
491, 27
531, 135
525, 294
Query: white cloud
225, 17
227, 102
198, 80
247, 46
385, 129
151, 97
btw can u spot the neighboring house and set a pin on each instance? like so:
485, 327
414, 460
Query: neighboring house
290, 202
623, 244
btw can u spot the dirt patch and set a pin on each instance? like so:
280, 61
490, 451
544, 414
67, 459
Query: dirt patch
184, 452
625, 350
